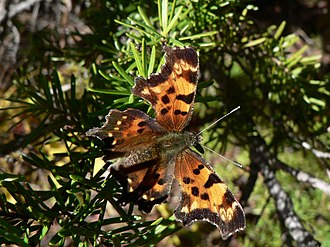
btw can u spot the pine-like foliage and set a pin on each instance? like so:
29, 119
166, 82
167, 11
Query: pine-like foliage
55, 189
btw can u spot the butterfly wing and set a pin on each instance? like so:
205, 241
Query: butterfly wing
147, 183
125, 131
172, 91
204, 196
131, 136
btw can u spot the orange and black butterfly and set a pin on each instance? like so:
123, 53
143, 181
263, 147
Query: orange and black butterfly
152, 153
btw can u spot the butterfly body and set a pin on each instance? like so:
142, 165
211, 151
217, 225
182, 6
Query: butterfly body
153, 153
173, 143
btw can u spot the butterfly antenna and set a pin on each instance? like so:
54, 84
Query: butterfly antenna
218, 120
223, 157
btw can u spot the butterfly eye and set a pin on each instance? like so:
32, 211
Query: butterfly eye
199, 138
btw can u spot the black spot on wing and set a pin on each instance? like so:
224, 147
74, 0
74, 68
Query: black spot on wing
165, 99
142, 123
140, 130
213, 179
228, 199
170, 90
186, 98
178, 112
195, 191
186, 180
193, 77
196, 171
164, 111
205, 196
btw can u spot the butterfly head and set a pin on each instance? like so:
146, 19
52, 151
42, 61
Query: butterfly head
199, 138
174, 143
197, 145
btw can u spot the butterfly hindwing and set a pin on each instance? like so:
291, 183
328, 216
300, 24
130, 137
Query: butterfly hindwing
146, 184
172, 91
204, 196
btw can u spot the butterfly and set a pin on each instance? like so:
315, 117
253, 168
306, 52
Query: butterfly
153, 153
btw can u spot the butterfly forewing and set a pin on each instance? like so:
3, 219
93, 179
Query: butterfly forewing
127, 130
131, 135
172, 91
204, 196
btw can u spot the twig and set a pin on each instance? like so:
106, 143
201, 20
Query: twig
260, 155
304, 177
17, 8
317, 153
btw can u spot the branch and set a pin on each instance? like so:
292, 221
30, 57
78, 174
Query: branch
20, 7
317, 153
288, 217
304, 177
